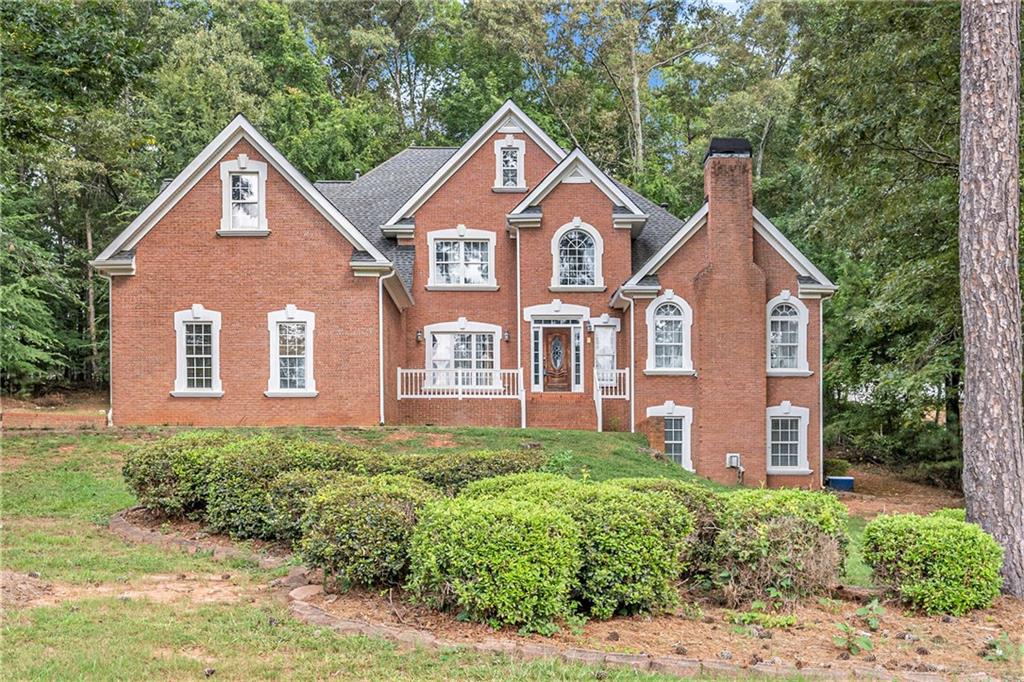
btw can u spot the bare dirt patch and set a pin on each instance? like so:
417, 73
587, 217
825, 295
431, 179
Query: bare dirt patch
20, 590
879, 491
429, 439
905, 642
195, 531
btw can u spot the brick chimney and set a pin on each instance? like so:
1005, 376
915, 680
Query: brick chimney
729, 320
729, 192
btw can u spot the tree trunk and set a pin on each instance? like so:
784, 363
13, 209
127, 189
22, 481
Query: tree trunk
90, 294
989, 278
638, 121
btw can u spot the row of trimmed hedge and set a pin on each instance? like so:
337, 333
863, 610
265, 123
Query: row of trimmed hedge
232, 482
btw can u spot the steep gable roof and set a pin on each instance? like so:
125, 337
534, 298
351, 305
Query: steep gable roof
507, 116
239, 128
576, 167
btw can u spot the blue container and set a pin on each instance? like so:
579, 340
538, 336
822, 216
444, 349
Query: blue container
844, 483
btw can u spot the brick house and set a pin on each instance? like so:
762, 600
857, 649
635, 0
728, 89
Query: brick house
505, 282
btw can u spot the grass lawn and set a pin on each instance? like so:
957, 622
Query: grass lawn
60, 490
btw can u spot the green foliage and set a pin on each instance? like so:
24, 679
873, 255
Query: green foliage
1003, 649
238, 498
289, 495
852, 641
170, 475
780, 543
358, 530
704, 504
834, 466
871, 614
501, 561
451, 471
935, 563
633, 544
951, 514
760, 615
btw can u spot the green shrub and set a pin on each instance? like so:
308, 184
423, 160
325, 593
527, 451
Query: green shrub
451, 471
504, 562
289, 496
703, 503
834, 466
779, 543
633, 544
238, 493
937, 564
952, 514
169, 475
358, 529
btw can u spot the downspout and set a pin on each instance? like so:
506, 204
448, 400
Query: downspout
380, 339
632, 363
821, 393
110, 349
519, 339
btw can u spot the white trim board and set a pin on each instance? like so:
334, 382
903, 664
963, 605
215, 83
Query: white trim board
507, 117
577, 168
238, 129
762, 226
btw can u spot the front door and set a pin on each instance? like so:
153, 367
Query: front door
556, 359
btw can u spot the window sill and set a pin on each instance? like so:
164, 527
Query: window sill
789, 472
565, 288
462, 287
790, 372
290, 394
509, 190
243, 233
670, 372
197, 394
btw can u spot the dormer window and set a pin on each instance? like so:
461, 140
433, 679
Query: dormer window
509, 159
244, 192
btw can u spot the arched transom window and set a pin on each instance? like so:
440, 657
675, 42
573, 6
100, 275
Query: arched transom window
576, 256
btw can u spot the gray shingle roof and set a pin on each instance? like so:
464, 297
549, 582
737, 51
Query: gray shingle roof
372, 199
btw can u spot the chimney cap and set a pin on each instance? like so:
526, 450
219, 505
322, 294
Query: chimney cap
728, 146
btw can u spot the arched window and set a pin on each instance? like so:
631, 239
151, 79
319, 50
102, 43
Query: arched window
576, 251
576, 259
787, 335
669, 319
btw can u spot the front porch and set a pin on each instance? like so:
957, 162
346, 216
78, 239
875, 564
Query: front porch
452, 397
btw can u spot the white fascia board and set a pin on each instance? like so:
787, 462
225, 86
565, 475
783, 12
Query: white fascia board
671, 246
493, 124
578, 159
238, 129
788, 250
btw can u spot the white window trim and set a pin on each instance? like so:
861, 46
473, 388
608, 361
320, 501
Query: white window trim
787, 409
290, 314
197, 313
802, 369
459, 326
505, 143
556, 310
687, 369
578, 224
670, 409
242, 164
462, 233
605, 321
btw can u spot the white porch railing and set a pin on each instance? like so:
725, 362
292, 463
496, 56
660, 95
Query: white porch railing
463, 384
609, 384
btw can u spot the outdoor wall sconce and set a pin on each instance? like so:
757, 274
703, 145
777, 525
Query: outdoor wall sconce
419, 336
506, 336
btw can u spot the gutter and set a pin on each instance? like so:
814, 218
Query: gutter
632, 360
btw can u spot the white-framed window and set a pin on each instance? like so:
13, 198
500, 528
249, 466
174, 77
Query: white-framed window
243, 197
577, 252
461, 258
669, 326
509, 164
291, 353
787, 318
197, 374
787, 439
463, 353
677, 421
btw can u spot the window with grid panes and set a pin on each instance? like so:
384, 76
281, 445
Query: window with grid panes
784, 331
461, 261
465, 358
509, 167
669, 343
675, 439
199, 354
576, 255
245, 201
291, 354
785, 442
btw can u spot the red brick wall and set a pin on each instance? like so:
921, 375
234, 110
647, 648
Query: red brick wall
304, 262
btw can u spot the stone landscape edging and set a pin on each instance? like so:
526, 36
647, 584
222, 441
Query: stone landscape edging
410, 637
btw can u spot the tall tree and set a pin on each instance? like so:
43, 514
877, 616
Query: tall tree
990, 275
